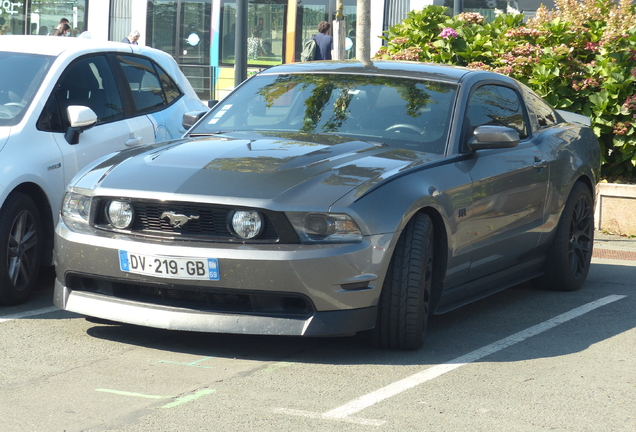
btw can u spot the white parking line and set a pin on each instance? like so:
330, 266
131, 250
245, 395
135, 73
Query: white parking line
398, 387
26, 314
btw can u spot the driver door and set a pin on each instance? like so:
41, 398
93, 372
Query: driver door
89, 82
509, 185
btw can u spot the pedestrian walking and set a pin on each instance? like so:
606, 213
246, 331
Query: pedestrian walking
324, 42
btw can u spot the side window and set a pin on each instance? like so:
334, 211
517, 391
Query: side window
498, 106
266, 32
87, 82
170, 88
144, 83
541, 114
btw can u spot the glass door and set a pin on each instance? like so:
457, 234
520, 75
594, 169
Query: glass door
43, 16
182, 29
194, 43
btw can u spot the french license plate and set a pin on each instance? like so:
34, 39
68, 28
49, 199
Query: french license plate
169, 267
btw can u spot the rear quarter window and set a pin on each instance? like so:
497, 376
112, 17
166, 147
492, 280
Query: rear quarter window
151, 87
541, 114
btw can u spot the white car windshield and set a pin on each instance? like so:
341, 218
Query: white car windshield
20, 77
400, 112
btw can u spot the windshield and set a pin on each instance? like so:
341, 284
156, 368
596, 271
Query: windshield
20, 77
399, 112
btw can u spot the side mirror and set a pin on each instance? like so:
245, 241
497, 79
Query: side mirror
493, 137
191, 117
212, 103
81, 118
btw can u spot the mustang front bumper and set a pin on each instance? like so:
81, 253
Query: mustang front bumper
333, 288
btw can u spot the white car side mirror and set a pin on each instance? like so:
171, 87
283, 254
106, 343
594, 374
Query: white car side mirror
80, 118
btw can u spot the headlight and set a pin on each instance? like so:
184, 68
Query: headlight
120, 214
76, 211
246, 224
325, 227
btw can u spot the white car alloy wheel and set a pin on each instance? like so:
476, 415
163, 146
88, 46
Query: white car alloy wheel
21, 252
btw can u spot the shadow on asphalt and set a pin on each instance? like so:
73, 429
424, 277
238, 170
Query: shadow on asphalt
449, 336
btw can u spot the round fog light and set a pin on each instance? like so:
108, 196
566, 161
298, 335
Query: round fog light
247, 224
120, 214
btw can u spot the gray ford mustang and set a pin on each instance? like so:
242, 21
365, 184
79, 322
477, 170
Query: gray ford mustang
330, 198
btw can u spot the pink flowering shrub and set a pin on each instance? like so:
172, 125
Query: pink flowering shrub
448, 32
471, 17
580, 57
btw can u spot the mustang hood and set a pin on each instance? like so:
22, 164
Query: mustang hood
314, 171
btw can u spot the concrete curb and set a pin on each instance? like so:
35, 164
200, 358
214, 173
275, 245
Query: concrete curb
615, 207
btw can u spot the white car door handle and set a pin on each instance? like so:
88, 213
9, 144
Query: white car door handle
134, 141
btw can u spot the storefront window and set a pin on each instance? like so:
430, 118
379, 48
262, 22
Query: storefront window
266, 31
484, 7
11, 17
161, 26
314, 11
182, 29
44, 16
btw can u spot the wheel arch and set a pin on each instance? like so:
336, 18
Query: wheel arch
587, 182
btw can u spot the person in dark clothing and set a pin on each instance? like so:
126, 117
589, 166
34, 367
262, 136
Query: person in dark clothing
228, 43
324, 42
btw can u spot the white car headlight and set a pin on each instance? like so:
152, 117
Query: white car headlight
76, 211
246, 224
325, 227
120, 214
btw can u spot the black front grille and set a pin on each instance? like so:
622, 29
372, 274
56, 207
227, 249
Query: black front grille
206, 222
211, 221
194, 297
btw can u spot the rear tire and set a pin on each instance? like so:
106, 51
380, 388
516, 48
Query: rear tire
405, 300
569, 256
20, 248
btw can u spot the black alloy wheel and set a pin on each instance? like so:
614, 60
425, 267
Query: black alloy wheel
570, 255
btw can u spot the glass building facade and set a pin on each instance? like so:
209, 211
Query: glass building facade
200, 34
41, 17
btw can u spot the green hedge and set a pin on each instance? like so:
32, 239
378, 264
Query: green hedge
581, 57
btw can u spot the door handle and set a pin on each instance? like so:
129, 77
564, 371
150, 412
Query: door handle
134, 141
539, 163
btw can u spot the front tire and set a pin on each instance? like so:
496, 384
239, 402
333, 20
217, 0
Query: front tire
405, 300
20, 248
570, 255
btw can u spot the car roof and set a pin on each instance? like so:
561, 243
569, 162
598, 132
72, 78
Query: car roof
419, 70
56, 45
69, 48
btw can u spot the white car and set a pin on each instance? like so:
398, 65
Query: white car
65, 102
